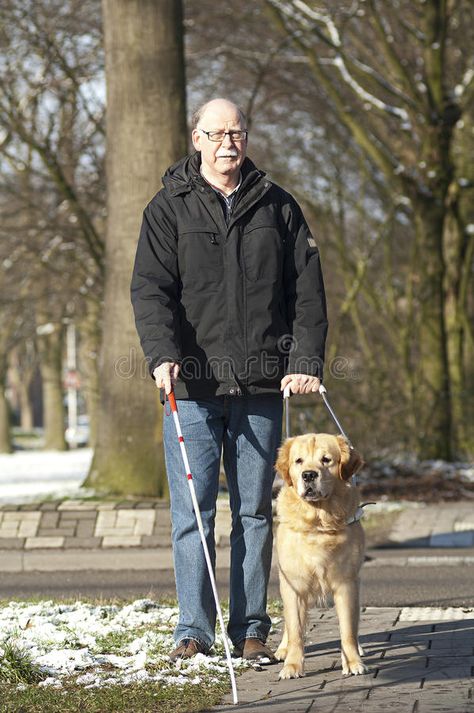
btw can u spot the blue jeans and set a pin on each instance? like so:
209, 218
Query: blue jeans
247, 429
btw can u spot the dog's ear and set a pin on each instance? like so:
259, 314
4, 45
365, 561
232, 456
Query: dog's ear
282, 465
351, 461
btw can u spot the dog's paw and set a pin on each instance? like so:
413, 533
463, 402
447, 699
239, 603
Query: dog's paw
354, 668
291, 670
280, 653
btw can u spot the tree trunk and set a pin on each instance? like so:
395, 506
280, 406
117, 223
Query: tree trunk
5, 432
26, 408
433, 392
50, 350
21, 374
89, 346
146, 132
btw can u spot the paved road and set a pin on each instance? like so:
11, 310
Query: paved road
403, 583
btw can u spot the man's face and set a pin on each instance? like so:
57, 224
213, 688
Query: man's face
224, 158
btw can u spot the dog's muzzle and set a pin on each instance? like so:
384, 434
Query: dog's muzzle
311, 486
309, 476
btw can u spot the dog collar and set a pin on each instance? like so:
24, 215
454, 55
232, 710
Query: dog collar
359, 513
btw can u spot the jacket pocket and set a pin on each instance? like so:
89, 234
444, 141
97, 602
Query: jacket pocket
262, 251
200, 255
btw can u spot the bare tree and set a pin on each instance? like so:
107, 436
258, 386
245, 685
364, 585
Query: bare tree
404, 117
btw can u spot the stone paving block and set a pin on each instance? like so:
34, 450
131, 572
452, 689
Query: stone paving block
11, 543
121, 541
105, 520
113, 531
56, 531
164, 531
43, 542
18, 516
28, 506
77, 505
78, 515
85, 528
107, 506
143, 527
445, 703
107, 516
124, 513
49, 519
455, 669
49, 506
82, 542
9, 528
27, 528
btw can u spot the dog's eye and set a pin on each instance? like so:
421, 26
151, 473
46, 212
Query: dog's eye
299, 461
325, 459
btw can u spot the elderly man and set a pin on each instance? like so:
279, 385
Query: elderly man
229, 305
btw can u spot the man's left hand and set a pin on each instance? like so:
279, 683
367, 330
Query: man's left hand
301, 383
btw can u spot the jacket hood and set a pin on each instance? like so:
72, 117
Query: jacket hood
184, 174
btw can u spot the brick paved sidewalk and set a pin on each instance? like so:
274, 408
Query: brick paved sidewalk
421, 661
89, 524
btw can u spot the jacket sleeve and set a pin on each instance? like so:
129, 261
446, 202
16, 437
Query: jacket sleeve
155, 286
304, 296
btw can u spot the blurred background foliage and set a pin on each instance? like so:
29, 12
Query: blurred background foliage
364, 110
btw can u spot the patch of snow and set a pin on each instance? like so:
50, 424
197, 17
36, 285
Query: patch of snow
67, 640
30, 475
435, 614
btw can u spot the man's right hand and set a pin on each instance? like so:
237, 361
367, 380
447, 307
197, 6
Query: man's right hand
166, 374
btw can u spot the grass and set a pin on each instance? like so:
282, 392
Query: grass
19, 678
17, 667
135, 698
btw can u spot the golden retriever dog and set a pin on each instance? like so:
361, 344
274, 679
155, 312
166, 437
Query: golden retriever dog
319, 553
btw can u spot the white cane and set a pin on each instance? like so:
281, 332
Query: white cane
174, 410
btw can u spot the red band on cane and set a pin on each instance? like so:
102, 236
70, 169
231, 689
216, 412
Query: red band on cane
189, 476
181, 439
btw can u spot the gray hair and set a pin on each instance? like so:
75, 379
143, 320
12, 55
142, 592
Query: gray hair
197, 115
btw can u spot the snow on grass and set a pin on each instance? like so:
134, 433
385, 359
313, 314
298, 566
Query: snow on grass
30, 475
97, 646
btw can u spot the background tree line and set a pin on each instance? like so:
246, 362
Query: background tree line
364, 110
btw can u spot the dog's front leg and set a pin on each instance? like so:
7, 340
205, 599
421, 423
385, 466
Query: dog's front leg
292, 645
346, 599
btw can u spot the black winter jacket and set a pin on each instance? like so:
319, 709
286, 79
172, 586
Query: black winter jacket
237, 305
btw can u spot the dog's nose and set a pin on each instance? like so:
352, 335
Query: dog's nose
309, 475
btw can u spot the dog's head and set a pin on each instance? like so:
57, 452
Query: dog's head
314, 463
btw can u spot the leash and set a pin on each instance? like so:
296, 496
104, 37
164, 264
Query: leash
323, 392
174, 410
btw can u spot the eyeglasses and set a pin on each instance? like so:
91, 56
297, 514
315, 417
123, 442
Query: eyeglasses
238, 135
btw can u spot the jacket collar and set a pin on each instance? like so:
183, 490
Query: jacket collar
183, 176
